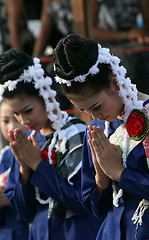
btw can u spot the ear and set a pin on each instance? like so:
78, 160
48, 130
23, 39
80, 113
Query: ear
113, 83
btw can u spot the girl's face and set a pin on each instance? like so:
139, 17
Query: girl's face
29, 111
8, 122
106, 105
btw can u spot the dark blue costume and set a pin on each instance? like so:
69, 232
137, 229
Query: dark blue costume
11, 227
117, 221
68, 219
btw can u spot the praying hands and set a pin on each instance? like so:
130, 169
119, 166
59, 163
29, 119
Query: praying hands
107, 158
26, 151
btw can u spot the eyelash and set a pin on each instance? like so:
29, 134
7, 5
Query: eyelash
97, 108
26, 111
5, 121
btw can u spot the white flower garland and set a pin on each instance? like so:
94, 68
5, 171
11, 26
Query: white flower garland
35, 75
127, 91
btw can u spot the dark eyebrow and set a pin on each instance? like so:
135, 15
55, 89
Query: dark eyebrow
93, 105
26, 107
21, 109
89, 108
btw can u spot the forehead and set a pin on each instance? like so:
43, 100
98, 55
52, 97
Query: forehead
4, 108
20, 101
84, 101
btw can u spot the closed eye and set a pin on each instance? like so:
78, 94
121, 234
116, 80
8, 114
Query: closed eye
25, 111
97, 108
14, 113
28, 110
5, 121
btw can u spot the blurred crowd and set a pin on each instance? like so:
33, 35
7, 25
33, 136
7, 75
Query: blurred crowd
123, 26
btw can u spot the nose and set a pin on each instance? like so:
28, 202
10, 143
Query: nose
23, 120
94, 115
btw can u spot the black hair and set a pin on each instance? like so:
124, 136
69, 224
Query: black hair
74, 56
12, 64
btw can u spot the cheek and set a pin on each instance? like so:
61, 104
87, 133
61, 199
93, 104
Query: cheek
4, 130
39, 115
112, 106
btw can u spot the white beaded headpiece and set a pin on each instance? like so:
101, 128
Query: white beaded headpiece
35, 75
127, 91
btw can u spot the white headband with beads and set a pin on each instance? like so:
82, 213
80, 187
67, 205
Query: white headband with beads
35, 74
127, 91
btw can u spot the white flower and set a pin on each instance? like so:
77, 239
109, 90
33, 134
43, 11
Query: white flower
93, 70
80, 78
11, 85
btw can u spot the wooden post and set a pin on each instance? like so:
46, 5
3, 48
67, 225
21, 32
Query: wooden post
78, 8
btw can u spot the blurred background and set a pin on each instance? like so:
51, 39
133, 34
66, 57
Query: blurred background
36, 26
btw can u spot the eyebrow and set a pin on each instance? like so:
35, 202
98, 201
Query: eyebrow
93, 105
21, 109
81, 109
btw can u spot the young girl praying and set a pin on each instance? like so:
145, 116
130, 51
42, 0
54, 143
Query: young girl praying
11, 227
44, 183
115, 170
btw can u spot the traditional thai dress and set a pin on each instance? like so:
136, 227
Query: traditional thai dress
51, 198
11, 226
129, 220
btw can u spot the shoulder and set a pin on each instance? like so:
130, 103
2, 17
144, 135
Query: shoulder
6, 158
113, 125
74, 131
76, 124
5, 152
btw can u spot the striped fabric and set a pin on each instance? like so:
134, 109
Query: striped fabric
72, 159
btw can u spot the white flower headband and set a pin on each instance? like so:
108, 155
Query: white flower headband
35, 74
127, 91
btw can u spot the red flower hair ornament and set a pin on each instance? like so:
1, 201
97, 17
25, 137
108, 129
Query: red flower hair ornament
137, 125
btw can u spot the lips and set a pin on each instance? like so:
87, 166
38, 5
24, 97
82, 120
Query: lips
104, 119
32, 127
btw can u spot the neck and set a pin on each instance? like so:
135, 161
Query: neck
47, 129
45, 132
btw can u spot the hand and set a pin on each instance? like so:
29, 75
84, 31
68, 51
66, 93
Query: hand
102, 184
26, 151
108, 156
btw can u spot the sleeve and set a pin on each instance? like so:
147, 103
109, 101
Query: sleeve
90, 197
50, 182
5, 159
63, 184
135, 178
21, 197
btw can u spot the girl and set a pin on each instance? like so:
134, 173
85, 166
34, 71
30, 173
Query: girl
11, 227
115, 175
44, 185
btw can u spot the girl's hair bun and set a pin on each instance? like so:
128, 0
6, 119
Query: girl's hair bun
74, 56
12, 64
73, 40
